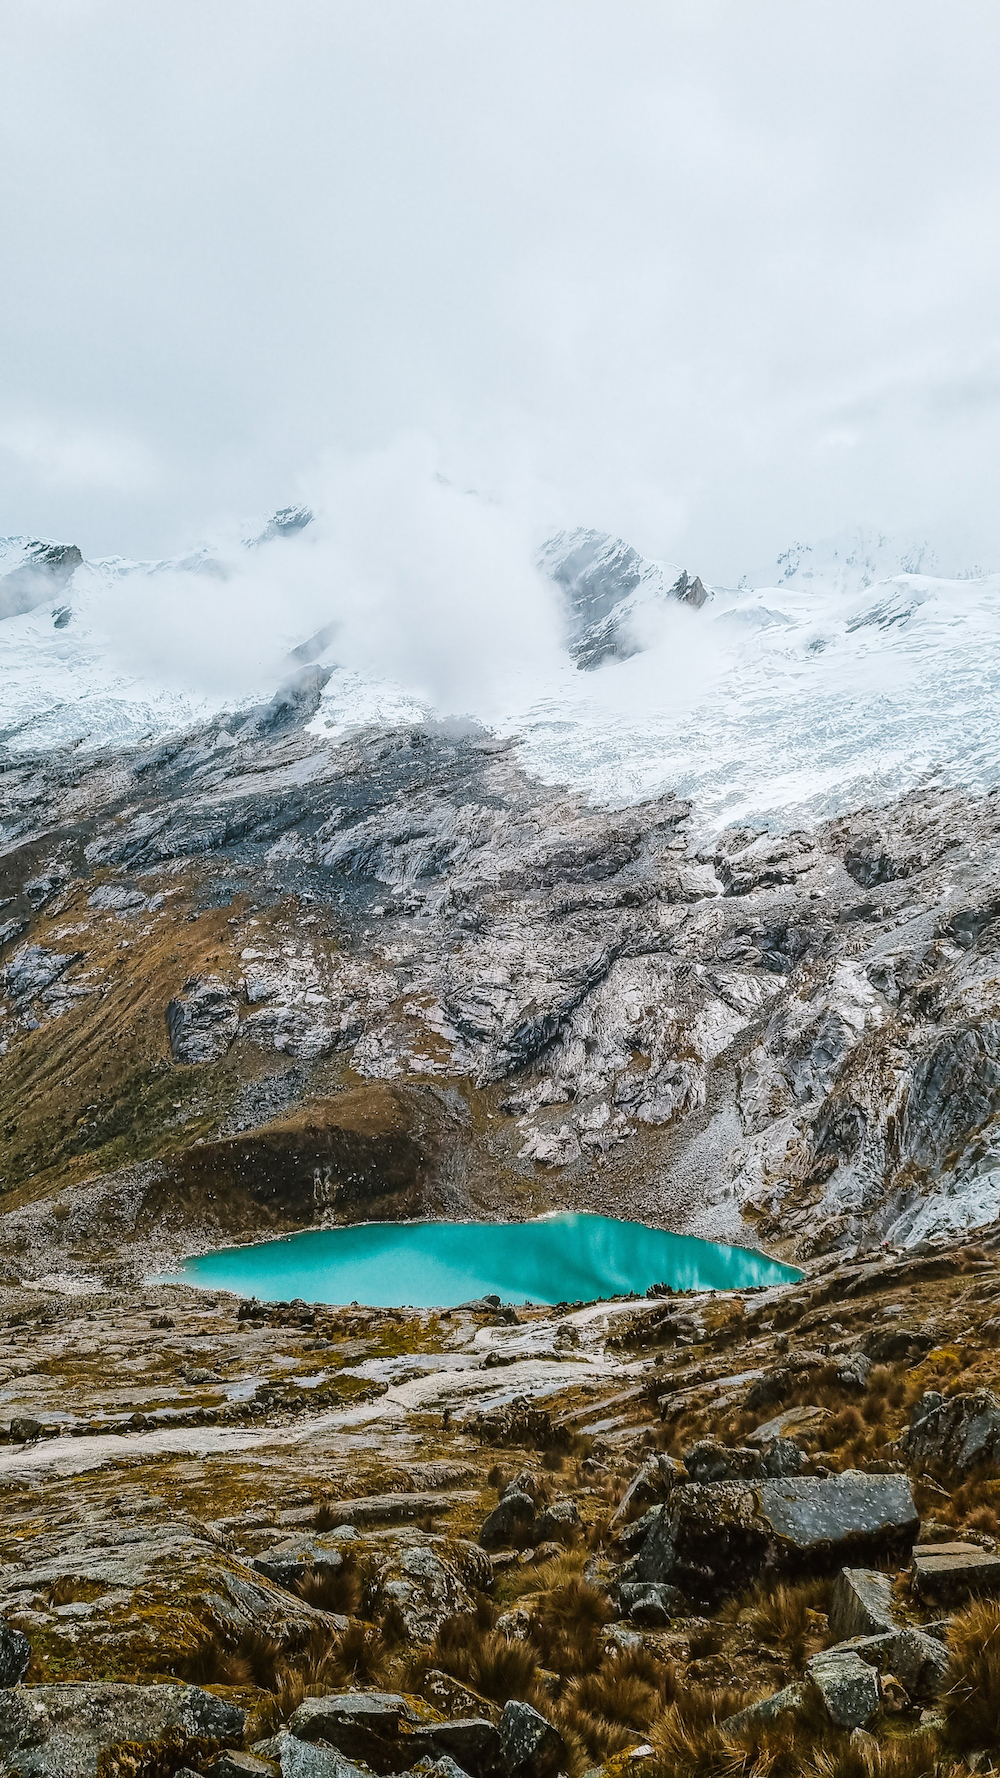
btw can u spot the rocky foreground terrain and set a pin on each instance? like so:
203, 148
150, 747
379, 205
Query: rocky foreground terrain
255, 979
749, 1534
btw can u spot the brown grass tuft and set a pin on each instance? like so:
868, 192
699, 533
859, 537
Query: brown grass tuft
566, 1626
972, 1701
483, 1658
333, 1589
249, 1659
791, 1616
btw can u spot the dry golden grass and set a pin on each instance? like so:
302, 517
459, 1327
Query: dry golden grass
972, 1701
909, 1756
473, 1652
791, 1616
333, 1589
566, 1626
249, 1659
554, 1573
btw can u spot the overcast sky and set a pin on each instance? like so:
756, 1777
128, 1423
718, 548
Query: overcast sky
715, 276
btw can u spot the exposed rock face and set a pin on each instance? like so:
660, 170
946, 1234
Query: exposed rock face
40, 572
15, 1654
512, 1521
202, 1021
848, 1686
862, 1603
955, 1434
948, 1573
606, 584
713, 1539
58, 1731
722, 1037
530, 1746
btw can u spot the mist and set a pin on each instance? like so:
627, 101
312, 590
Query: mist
712, 277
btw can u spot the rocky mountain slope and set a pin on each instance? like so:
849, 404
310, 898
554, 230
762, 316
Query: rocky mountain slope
255, 979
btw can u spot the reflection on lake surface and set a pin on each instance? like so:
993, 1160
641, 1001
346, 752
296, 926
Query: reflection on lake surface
556, 1259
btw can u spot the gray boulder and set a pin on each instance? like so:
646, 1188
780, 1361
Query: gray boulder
15, 1654
472, 1742
423, 1589
848, 1686
862, 1604
300, 1759
955, 1435
290, 1560
708, 1461
383, 1729
853, 1373
783, 1457
529, 1746
891, 1345
789, 1702
511, 1523
714, 1539
650, 1486
59, 1731
651, 1603
559, 1522
445, 1767
202, 1021
24, 1430
920, 1663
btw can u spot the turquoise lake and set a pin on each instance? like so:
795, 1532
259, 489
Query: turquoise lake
566, 1258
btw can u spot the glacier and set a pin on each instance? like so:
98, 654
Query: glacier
833, 684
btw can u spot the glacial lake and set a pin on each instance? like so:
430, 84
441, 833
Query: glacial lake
554, 1259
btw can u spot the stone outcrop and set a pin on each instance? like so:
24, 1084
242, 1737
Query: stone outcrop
847, 1685
202, 1021
512, 1521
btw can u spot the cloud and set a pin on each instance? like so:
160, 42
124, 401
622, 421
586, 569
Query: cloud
634, 266
64, 455
413, 579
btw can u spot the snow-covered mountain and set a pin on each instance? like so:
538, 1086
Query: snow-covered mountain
844, 677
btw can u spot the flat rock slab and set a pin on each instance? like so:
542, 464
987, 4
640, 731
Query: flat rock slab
712, 1540
949, 1572
394, 1509
810, 1511
290, 1560
783, 1425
